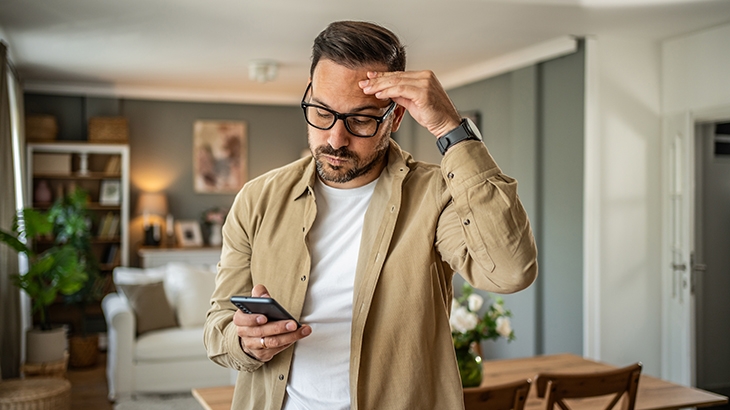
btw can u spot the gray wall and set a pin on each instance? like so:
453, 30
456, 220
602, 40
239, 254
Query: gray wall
561, 193
532, 122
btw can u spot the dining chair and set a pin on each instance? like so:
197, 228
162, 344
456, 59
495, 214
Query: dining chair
561, 386
509, 396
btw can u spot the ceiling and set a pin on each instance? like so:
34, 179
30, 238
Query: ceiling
202, 49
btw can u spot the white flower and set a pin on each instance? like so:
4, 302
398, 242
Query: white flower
462, 320
504, 327
498, 307
475, 302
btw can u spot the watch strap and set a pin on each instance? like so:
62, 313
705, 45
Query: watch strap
465, 131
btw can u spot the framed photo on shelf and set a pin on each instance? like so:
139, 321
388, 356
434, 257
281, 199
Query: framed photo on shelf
110, 192
219, 156
188, 234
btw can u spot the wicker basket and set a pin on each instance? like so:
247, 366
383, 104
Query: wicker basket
84, 350
48, 369
114, 130
40, 128
35, 394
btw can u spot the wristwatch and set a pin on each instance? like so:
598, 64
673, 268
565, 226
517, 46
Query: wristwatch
465, 131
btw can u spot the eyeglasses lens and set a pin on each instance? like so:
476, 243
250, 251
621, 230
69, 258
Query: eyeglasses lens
324, 119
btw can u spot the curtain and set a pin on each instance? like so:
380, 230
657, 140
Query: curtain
11, 199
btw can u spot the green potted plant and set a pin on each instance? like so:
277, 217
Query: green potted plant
59, 268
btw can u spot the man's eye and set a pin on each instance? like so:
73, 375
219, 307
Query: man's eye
360, 120
324, 114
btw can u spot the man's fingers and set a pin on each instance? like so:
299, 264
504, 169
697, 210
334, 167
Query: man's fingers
266, 347
279, 340
260, 291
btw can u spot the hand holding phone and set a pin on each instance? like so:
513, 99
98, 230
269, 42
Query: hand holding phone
263, 305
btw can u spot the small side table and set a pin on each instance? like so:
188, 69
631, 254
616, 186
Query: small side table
40, 393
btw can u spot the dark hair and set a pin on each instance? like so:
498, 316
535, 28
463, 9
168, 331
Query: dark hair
356, 43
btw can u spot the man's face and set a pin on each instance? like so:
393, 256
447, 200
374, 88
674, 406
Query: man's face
344, 160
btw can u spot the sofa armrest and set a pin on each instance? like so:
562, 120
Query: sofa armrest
121, 332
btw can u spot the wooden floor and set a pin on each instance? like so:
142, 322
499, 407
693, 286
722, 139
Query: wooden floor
88, 387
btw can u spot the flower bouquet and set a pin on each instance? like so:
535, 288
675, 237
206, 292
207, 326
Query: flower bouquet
468, 329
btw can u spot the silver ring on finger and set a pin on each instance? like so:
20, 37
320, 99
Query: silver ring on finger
263, 343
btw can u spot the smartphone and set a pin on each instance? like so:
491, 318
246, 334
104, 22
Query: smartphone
265, 306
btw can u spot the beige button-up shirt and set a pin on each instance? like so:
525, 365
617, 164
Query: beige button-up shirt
424, 223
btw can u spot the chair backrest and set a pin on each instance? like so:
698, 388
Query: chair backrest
619, 382
507, 396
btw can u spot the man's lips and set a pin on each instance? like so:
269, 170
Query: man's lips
336, 161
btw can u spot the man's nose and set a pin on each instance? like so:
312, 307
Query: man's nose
339, 136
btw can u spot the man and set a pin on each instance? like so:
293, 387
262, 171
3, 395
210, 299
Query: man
360, 243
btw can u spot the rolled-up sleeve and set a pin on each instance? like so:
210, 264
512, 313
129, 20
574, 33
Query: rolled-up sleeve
484, 232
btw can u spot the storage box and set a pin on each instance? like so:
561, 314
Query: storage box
51, 163
40, 128
113, 130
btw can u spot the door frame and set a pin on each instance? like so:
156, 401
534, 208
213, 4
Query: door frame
684, 359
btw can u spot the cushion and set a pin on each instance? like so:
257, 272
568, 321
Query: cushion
156, 345
123, 275
149, 303
192, 287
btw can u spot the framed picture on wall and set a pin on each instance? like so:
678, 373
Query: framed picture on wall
219, 156
187, 233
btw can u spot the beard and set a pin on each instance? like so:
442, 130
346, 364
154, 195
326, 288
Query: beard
354, 167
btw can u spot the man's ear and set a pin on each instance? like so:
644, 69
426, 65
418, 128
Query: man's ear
398, 114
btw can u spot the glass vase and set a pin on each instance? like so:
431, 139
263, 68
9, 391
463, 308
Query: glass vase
215, 238
470, 366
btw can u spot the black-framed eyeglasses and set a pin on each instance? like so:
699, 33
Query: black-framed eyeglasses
359, 125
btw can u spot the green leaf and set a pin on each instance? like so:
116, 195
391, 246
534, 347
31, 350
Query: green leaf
14, 243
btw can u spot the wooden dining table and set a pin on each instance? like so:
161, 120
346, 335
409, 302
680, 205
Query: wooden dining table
653, 393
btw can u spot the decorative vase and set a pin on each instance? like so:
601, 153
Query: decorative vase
42, 193
216, 236
470, 366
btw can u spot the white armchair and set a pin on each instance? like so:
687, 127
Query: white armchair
167, 359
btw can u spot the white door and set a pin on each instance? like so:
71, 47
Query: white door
677, 298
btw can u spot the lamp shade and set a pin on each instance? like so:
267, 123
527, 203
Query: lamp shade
152, 204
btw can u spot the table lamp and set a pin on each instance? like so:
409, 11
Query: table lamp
152, 207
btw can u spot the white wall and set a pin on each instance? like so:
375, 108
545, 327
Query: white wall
629, 127
638, 82
696, 72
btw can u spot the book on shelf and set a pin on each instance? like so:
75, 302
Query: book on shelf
104, 225
113, 227
111, 254
113, 165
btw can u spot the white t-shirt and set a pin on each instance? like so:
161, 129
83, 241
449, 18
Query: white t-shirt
320, 371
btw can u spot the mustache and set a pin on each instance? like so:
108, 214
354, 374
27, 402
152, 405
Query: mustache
341, 152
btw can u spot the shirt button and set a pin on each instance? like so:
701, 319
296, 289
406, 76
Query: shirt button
467, 222
304, 278
392, 209
281, 377
451, 175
